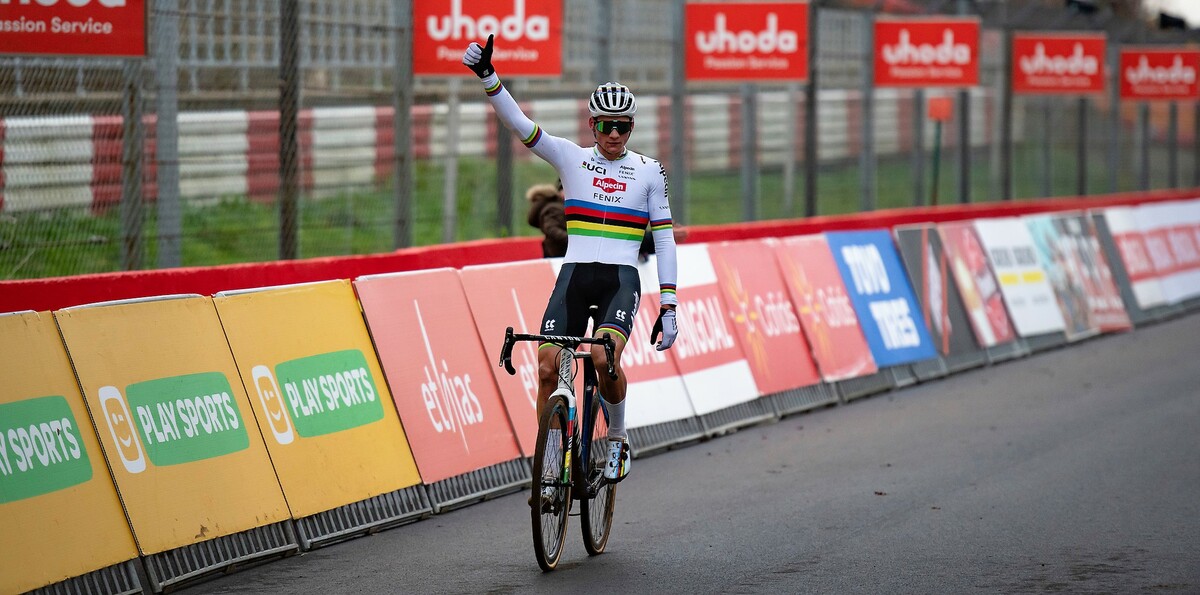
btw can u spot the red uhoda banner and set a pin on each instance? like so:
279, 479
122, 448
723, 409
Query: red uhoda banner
528, 36
1058, 63
1160, 73
767, 41
73, 28
935, 52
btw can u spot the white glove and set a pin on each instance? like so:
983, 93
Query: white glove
667, 326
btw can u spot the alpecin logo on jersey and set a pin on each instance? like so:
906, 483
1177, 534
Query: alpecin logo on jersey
626, 173
608, 184
593, 167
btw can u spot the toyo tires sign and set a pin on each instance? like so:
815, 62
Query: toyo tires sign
73, 27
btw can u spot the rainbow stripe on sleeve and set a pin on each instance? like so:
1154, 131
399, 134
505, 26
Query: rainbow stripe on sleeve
660, 224
666, 288
533, 137
494, 89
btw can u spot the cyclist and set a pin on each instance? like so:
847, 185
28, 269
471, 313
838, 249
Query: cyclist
611, 194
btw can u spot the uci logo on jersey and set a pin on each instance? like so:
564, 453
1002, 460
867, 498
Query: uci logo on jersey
593, 167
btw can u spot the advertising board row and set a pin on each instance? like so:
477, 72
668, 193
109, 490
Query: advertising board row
723, 41
169, 421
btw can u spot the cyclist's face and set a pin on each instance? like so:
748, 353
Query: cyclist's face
611, 134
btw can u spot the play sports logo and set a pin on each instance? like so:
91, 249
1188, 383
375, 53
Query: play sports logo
174, 420
41, 449
321, 394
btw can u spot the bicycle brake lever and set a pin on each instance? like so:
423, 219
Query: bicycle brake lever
506, 352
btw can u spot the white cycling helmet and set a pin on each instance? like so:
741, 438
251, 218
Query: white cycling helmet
612, 99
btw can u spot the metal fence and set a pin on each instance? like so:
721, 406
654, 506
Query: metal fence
176, 159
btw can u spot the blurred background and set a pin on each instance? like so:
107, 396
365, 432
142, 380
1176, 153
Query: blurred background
183, 158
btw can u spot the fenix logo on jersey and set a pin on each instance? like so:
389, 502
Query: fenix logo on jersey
510, 27
449, 400
768, 40
948, 52
608, 184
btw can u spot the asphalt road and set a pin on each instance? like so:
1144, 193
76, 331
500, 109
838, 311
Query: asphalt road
1075, 470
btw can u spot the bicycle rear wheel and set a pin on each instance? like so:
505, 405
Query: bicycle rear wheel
596, 514
550, 501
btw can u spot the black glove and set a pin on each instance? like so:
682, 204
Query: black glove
667, 326
479, 59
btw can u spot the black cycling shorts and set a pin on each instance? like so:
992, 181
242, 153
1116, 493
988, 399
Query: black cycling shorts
613, 288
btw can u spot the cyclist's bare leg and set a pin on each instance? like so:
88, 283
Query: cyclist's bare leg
547, 374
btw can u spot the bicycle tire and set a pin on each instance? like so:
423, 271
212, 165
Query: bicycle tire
595, 514
549, 515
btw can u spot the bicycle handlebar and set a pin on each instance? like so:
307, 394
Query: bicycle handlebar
510, 338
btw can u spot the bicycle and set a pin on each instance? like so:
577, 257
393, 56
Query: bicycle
569, 469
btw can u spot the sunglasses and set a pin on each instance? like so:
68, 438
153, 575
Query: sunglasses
607, 126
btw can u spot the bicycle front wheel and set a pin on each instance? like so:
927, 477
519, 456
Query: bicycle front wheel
550, 501
596, 514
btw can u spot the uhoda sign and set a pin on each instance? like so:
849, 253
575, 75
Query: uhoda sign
927, 53
1058, 63
115, 28
528, 35
747, 41
1160, 73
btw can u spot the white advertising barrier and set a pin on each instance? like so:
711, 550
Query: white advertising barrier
655, 392
714, 368
1170, 233
1135, 255
1023, 283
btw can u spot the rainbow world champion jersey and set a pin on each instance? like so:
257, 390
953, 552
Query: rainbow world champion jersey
608, 203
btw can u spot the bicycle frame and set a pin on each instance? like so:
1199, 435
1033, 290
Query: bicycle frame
577, 450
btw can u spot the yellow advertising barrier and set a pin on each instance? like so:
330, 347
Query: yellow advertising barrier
174, 420
316, 386
54, 485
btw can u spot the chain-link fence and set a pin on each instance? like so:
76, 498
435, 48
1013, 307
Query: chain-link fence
203, 153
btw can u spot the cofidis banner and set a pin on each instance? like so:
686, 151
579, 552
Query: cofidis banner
763, 316
319, 394
440, 377
54, 484
174, 420
504, 295
824, 308
887, 309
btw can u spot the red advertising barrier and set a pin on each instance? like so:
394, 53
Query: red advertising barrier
74, 28
763, 316
816, 288
656, 393
1160, 73
979, 288
515, 295
438, 372
755, 41
1058, 63
528, 34
927, 52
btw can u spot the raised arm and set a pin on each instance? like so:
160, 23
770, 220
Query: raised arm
549, 147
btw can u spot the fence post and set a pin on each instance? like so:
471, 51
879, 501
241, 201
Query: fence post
679, 173
1173, 145
289, 123
1114, 116
166, 132
450, 180
1081, 149
1143, 146
1006, 112
749, 152
402, 101
918, 156
1047, 147
132, 152
866, 158
811, 100
964, 130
